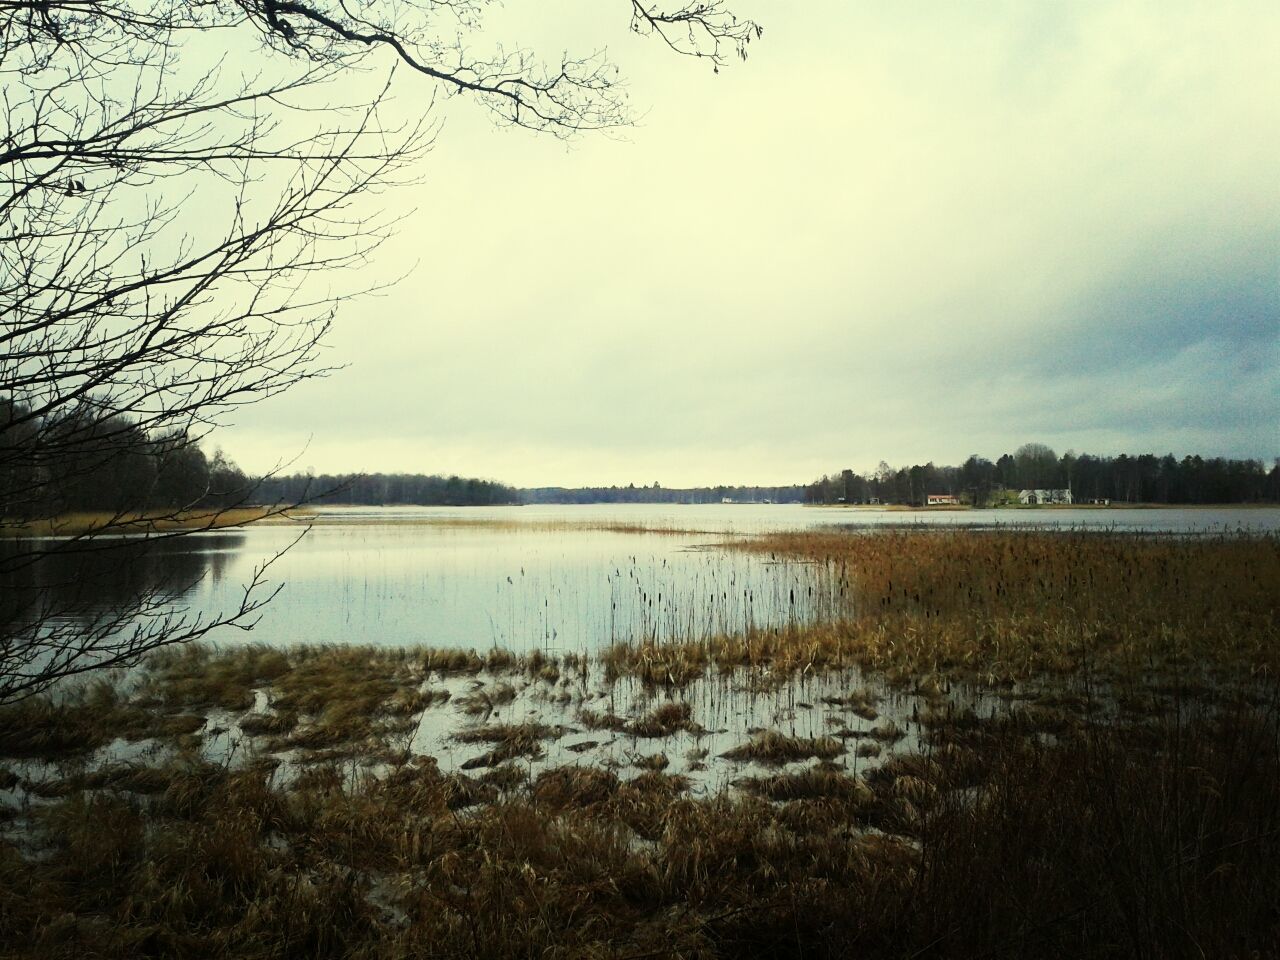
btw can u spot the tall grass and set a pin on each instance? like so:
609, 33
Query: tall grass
1003, 606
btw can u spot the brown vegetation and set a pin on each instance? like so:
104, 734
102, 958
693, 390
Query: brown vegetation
1005, 605
774, 749
510, 740
1123, 804
86, 523
1160, 838
82, 721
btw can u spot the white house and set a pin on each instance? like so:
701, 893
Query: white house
941, 499
1044, 496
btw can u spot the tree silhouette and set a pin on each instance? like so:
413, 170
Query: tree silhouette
187, 185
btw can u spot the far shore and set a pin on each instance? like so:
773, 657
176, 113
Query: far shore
97, 523
967, 508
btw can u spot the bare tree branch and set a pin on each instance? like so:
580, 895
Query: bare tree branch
177, 233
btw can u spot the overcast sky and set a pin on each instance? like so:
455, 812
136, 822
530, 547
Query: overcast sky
902, 231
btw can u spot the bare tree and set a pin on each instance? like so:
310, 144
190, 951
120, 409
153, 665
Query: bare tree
170, 228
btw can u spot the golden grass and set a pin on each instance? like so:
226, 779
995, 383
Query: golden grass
775, 749
513, 524
1003, 606
88, 523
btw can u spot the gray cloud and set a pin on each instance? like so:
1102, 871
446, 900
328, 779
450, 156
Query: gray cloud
906, 232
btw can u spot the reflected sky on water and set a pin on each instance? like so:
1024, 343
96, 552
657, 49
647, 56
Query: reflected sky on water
540, 578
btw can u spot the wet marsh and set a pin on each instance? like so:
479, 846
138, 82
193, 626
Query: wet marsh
992, 743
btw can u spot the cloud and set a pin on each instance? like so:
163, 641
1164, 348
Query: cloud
906, 232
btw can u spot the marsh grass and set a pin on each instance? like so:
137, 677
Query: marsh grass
1122, 805
507, 732
775, 749
130, 778
510, 741
1002, 606
515, 525
82, 720
325, 699
200, 675
651, 761
1156, 838
859, 703
484, 700
811, 783
87, 523
663, 720
268, 724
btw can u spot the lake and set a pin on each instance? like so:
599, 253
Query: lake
555, 578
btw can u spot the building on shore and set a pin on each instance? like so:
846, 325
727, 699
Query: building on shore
1035, 497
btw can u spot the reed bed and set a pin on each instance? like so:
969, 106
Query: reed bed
516, 524
1117, 798
1004, 606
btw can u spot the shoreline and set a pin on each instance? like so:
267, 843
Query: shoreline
89, 523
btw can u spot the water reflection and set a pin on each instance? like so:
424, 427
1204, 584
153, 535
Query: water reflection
393, 583
542, 578
69, 581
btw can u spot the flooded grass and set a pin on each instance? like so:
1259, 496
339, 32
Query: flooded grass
84, 720
1005, 745
510, 741
808, 784
1001, 606
1155, 839
199, 675
486, 699
663, 721
775, 749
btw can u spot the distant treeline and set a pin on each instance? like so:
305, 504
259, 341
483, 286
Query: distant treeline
88, 460
1142, 478
660, 494
381, 489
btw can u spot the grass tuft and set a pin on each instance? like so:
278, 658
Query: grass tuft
775, 749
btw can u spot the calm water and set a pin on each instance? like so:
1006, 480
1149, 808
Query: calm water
433, 576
